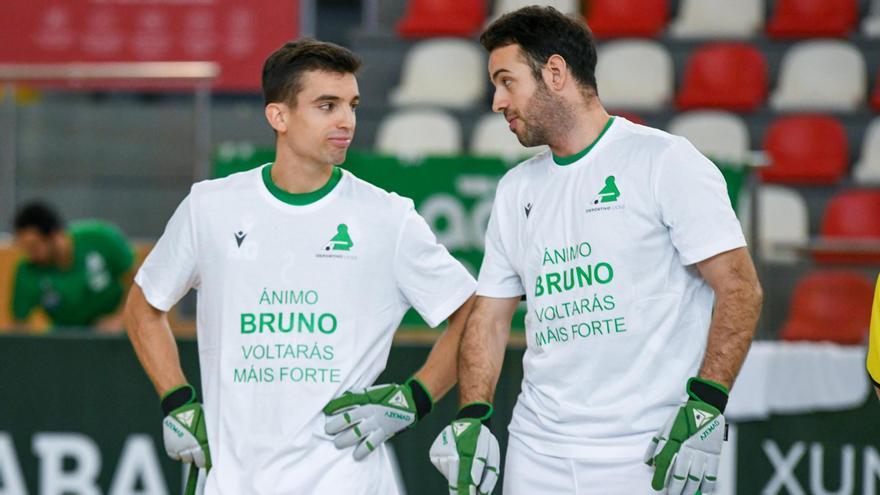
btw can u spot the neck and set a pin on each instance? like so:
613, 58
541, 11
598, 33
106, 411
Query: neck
583, 131
297, 175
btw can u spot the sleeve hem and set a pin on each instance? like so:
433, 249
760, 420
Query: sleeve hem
449, 306
151, 294
706, 251
499, 291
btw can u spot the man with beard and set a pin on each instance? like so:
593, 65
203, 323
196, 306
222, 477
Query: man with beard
620, 237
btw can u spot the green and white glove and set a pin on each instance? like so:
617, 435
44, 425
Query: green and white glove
184, 432
686, 452
375, 414
466, 452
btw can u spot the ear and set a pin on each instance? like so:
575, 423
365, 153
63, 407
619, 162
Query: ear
277, 114
555, 72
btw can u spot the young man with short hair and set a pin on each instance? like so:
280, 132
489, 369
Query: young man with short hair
303, 274
620, 237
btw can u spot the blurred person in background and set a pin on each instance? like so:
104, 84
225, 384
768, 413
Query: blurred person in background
78, 274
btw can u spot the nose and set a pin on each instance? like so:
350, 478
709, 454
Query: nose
499, 101
348, 119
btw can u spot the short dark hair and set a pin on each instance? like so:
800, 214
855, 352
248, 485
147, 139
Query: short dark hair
284, 68
542, 32
40, 216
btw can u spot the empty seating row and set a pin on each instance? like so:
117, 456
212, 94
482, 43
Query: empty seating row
710, 19
826, 75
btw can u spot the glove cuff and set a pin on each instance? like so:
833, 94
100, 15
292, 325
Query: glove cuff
178, 397
477, 410
421, 396
707, 391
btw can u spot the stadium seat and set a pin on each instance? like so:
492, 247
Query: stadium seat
812, 18
830, 305
425, 18
825, 75
415, 133
442, 72
875, 95
492, 137
504, 6
721, 136
805, 149
783, 223
634, 75
617, 18
730, 76
852, 217
871, 22
718, 19
867, 169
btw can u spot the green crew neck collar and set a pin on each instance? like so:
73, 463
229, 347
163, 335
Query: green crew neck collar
568, 160
300, 199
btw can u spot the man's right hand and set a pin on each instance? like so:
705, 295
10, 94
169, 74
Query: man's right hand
183, 429
466, 452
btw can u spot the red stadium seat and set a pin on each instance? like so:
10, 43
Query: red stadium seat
806, 149
426, 18
813, 18
875, 96
616, 18
852, 217
729, 76
830, 305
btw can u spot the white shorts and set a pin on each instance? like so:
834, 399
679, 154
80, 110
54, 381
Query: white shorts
527, 472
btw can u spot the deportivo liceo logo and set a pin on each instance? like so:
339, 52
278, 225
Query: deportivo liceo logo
609, 193
341, 241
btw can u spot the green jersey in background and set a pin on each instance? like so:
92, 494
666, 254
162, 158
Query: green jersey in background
86, 291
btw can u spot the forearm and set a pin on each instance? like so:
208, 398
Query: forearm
730, 334
153, 342
440, 371
481, 355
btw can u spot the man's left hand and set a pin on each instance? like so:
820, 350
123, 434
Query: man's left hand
685, 453
373, 415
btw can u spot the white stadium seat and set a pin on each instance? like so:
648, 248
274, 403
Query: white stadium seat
414, 133
492, 137
871, 22
442, 72
719, 135
867, 169
783, 221
718, 19
825, 75
634, 75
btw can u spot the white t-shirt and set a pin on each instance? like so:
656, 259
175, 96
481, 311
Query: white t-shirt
296, 304
618, 315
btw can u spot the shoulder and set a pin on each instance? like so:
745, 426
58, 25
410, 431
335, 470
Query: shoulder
230, 184
372, 197
644, 139
91, 229
523, 172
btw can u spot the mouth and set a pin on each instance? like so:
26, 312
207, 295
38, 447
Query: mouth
512, 123
340, 142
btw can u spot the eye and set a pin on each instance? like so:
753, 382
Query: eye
326, 106
506, 82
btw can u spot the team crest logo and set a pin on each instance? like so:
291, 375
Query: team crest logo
341, 241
